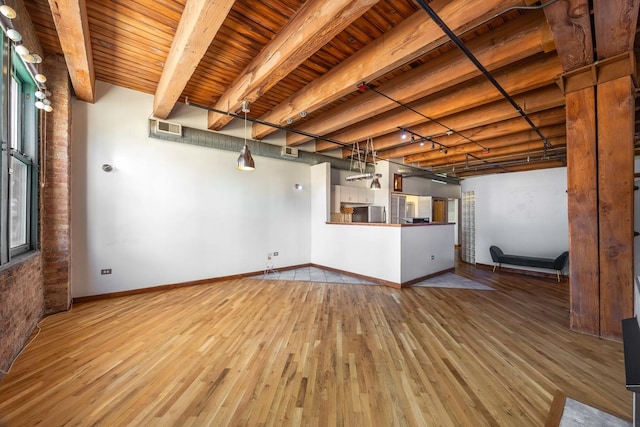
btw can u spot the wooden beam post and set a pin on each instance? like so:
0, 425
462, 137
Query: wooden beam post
582, 199
616, 114
600, 125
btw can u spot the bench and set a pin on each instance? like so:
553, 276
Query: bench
556, 264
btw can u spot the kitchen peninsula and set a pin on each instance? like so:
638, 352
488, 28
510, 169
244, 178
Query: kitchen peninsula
395, 255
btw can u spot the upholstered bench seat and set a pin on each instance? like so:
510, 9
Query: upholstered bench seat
556, 264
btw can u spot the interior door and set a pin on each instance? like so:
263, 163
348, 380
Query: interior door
439, 210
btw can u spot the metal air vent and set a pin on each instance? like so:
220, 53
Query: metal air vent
289, 152
168, 127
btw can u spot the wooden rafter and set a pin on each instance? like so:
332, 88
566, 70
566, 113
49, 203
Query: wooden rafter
311, 28
570, 25
70, 18
405, 42
533, 101
518, 79
513, 42
198, 25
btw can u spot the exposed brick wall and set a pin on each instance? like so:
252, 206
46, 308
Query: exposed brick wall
56, 193
21, 306
39, 282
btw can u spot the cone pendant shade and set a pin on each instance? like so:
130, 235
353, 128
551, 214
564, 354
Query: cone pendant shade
245, 161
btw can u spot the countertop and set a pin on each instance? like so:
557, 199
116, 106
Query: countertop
377, 224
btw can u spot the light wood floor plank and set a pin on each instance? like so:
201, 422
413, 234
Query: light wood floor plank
250, 352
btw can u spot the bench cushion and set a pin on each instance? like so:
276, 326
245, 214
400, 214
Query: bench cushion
526, 261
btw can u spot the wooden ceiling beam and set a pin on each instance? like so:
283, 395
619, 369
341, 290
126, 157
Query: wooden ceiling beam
199, 24
411, 38
570, 24
521, 148
537, 100
615, 24
72, 26
415, 152
535, 164
516, 79
312, 27
553, 131
512, 42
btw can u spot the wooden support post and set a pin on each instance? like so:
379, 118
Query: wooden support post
583, 211
616, 114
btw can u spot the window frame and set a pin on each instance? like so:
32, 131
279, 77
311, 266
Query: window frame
27, 150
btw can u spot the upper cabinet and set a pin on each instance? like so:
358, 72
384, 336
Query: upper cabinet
345, 195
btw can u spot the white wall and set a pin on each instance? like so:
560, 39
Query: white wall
524, 213
172, 212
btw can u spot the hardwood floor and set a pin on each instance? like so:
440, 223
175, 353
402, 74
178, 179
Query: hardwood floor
258, 352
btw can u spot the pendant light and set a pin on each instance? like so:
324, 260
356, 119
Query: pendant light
375, 184
245, 161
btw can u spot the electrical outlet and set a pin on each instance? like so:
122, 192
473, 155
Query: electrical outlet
105, 271
275, 253
433, 257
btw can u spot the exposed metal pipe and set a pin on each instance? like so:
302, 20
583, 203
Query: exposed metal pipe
557, 153
450, 180
456, 40
408, 107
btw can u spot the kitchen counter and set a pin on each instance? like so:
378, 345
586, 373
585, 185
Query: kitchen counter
378, 224
395, 255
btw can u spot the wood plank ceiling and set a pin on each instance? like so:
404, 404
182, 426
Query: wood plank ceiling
300, 63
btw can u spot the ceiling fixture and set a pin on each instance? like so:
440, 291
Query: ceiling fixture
14, 35
375, 184
8, 11
245, 161
361, 165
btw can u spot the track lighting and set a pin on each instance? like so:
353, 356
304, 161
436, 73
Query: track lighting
375, 184
21, 50
403, 135
40, 78
32, 58
14, 35
8, 11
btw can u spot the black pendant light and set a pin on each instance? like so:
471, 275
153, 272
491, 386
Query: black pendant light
245, 161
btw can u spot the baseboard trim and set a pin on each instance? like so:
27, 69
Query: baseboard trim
428, 276
89, 298
360, 276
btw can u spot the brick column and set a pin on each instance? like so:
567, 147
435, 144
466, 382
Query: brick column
56, 190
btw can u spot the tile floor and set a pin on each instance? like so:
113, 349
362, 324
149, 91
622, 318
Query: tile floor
312, 274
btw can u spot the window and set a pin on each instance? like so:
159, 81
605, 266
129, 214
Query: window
19, 160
